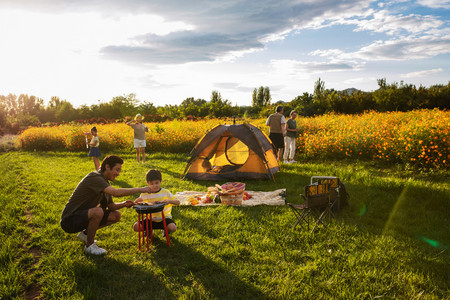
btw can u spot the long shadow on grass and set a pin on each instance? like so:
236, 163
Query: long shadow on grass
204, 277
403, 210
172, 156
412, 214
168, 171
107, 278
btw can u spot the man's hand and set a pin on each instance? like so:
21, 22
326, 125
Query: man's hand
148, 189
129, 203
138, 200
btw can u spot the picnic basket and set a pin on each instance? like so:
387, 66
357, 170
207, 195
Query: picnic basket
231, 193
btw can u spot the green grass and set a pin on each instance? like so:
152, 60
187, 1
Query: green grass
391, 243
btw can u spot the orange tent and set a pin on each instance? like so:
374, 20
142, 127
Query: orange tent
231, 152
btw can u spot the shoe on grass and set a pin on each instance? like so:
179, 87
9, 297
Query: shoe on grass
93, 249
83, 237
292, 161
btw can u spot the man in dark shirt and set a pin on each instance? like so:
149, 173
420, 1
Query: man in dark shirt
91, 206
277, 130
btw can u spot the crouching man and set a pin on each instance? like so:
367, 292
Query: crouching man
91, 205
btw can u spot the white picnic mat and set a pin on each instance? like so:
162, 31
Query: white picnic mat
258, 198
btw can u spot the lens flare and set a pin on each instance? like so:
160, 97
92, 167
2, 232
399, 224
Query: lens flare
362, 210
431, 242
395, 209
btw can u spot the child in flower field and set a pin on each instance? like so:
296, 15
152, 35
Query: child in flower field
139, 137
158, 195
94, 152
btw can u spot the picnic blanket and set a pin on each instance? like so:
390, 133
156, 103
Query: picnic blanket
258, 198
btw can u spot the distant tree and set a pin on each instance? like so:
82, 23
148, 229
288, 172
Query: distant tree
172, 111
304, 105
191, 107
437, 96
147, 108
29, 104
3, 113
108, 111
125, 104
23, 110
395, 97
65, 112
85, 112
320, 97
219, 107
352, 103
261, 97
10, 104
216, 97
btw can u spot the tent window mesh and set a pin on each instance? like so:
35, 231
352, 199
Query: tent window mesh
236, 151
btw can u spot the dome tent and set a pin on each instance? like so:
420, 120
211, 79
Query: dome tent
231, 152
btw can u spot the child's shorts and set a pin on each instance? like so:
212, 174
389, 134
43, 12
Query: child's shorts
139, 143
95, 151
157, 225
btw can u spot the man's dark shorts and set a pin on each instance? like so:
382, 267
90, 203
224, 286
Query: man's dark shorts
79, 221
277, 139
157, 225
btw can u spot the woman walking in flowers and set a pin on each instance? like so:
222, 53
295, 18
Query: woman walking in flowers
94, 152
139, 137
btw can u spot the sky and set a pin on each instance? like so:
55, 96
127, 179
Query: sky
164, 51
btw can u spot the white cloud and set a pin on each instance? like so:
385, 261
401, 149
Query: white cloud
217, 29
396, 49
405, 48
435, 3
297, 68
384, 21
169, 50
423, 73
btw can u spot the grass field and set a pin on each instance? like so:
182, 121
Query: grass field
391, 243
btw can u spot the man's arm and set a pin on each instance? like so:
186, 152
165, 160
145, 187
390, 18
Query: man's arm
283, 128
116, 206
126, 191
170, 201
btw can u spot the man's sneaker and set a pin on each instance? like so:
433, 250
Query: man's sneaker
292, 161
83, 237
286, 162
93, 249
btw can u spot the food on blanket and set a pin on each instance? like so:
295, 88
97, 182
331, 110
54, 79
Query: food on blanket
207, 198
193, 200
247, 196
186, 202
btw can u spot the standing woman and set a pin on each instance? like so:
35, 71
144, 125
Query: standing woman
289, 139
139, 137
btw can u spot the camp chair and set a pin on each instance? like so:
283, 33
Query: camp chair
317, 204
335, 185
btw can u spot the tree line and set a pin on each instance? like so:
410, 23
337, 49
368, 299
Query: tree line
25, 110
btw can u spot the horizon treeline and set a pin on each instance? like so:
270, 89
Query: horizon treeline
24, 110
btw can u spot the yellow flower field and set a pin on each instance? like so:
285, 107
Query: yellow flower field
420, 138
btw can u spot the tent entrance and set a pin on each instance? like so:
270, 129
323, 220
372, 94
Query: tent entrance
230, 152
